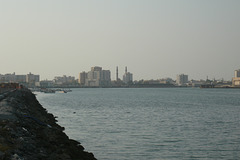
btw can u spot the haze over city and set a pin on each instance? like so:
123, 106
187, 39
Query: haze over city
154, 38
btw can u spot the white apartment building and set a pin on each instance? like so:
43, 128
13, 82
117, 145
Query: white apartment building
182, 79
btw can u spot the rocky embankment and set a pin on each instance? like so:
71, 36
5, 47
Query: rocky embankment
28, 132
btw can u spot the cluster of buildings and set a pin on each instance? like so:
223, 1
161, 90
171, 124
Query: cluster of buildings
58, 81
27, 80
98, 77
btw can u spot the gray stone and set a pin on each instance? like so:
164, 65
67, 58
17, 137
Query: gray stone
1, 154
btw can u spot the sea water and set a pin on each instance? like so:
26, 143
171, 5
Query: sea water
150, 124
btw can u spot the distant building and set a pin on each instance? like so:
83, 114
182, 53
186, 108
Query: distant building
8, 78
237, 73
21, 78
64, 80
105, 78
166, 81
93, 77
236, 79
98, 77
127, 77
182, 79
31, 78
196, 83
151, 81
82, 78
45, 84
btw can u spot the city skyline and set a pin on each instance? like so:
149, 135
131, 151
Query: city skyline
155, 38
120, 76
99, 77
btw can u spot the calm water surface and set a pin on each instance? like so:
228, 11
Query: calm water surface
151, 124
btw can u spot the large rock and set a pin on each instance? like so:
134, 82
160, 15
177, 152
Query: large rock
28, 132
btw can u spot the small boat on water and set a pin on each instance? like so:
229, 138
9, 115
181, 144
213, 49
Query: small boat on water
48, 91
62, 91
67, 90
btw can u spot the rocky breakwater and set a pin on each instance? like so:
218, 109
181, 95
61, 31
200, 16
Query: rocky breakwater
28, 132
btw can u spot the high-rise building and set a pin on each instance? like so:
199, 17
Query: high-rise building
82, 78
105, 78
182, 79
127, 77
98, 77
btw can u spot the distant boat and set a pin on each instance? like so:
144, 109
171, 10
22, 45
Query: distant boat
62, 91
68, 90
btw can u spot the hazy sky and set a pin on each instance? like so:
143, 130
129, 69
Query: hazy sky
154, 38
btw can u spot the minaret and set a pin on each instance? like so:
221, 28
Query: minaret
117, 73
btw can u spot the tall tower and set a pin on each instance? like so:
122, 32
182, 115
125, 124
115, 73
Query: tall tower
125, 69
117, 73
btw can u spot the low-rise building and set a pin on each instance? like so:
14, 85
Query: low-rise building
58, 80
166, 81
196, 83
236, 81
45, 84
236, 78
